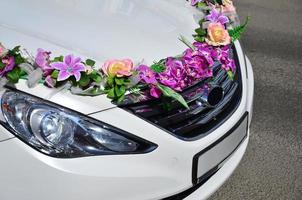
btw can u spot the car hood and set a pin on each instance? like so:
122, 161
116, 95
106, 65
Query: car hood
141, 30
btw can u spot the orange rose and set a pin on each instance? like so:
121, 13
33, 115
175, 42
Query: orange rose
119, 68
218, 35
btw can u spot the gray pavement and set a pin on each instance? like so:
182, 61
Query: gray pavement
272, 166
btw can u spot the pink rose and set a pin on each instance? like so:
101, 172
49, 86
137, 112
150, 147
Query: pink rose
218, 35
119, 68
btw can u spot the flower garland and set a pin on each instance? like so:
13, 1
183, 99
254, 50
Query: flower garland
218, 29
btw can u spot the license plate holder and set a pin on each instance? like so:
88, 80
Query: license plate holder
209, 160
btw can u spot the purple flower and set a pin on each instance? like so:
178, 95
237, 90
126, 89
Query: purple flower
50, 82
224, 57
146, 74
175, 74
216, 17
199, 62
43, 61
71, 66
9, 63
155, 92
194, 2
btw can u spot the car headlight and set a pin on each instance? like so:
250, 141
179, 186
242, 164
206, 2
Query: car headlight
59, 132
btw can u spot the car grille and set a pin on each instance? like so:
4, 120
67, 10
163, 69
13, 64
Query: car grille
200, 119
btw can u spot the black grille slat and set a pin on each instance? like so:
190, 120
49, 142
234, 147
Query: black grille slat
200, 119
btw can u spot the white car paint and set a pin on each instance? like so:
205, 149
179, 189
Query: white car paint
93, 29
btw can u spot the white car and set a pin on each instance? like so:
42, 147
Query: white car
148, 154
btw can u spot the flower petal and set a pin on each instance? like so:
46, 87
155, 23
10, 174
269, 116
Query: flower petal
68, 59
63, 75
77, 75
59, 66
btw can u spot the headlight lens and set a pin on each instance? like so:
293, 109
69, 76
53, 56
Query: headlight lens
59, 132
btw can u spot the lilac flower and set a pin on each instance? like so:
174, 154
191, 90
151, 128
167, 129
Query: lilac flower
43, 61
175, 74
146, 74
71, 66
216, 17
9, 63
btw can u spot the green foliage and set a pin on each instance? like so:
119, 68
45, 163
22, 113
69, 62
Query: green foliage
55, 74
2, 65
201, 5
236, 32
158, 67
168, 92
90, 62
58, 59
14, 75
85, 80
231, 75
116, 88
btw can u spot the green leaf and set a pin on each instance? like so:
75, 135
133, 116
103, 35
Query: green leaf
158, 67
90, 62
231, 75
120, 99
168, 92
120, 91
2, 65
55, 74
84, 81
111, 93
19, 59
96, 78
110, 81
14, 75
58, 59
199, 39
236, 32
14, 51
119, 81
201, 32
201, 5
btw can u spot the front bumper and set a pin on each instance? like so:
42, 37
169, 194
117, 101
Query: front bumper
27, 174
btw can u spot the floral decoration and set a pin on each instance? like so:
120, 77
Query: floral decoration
117, 78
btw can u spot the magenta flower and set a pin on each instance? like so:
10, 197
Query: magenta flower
146, 74
43, 61
216, 17
199, 62
155, 92
9, 63
175, 74
71, 66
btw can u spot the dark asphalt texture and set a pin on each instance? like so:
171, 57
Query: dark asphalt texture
272, 166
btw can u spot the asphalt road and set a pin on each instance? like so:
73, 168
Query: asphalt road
272, 166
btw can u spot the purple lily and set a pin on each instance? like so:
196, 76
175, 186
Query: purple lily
71, 66
216, 17
9, 63
146, 74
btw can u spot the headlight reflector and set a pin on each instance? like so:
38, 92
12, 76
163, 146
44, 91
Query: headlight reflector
60, 132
